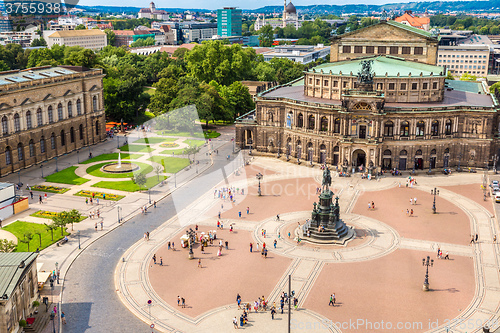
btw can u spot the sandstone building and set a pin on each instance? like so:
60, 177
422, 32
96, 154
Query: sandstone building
48, 111
377, 111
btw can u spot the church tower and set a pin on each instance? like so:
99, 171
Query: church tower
284, 14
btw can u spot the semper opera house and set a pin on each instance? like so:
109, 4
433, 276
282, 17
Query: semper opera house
381, 103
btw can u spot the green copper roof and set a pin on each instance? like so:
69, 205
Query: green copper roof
467, 86
412, 29
10, 272
382, 65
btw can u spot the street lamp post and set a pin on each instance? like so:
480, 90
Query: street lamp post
427, 262
52, 316
414, 162
117, 141
430, 164
78, 233
459, 160
56, 165
288, 153
279, 147
259, 177
41, 169
118, 211
78, 156
434, 193
57, 272
149, 194
19, 178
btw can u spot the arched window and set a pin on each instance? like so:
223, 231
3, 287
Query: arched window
78, 107
28, 120
387, 152
311, 122
42, 144
403, 153
336, 149
32, 148
81, 132
435, 128
39, 118
53, 141
63, 138
324, 124
8, 156
72, 134
300, 120
419, 152
270, 116
51, 114
5, 125
447, 151
322, 147
405, 129
388, 128
433, 152
420, 128
97, 127
20, 151
447, 127
59, 112
94, 103
17, 123
70, 109
336, 125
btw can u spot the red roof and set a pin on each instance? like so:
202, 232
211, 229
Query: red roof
173, 48
123, 32
414, 21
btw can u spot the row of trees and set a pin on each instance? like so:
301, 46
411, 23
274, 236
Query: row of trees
478, 25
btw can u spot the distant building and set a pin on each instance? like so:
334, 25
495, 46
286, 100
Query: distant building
5, 24
408, 18
152, 13
289, 17
18, 289
147, 50
23, 38
303, 54
229, 22
170, 34
252, 40
93, 39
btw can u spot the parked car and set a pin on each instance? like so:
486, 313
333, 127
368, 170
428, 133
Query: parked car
497, 197
495, 183
495, 189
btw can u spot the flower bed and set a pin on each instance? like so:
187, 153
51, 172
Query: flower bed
169, 145
100, 195
50, 215
50, 189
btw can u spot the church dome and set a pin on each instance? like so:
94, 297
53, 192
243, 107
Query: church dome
290, 9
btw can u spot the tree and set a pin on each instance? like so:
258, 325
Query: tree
158, 170
468, 77
27, 239
7, 245
86, 58
3, 66
38, 42
110, 36
266, 36
80, 27
191, 150
39, 233
139, 179
143, 42
51, 227
61, 220
450, 76
74, 216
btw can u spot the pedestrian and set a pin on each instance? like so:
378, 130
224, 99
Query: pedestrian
239, 213
96, 226
178, 300
147, 234
411, 212
86, 201
277, 217
168, 245
415, 200
154, 204
161, 261
369, 205
248, 210
282, 304
154, 259
31, 194
227, 243
199, 263
45, 196
235, 322
295, 302
0, 223
238, 300
275, 242
273, 311
494, 236
331, 300
173, 246
257, 247
183, 300
63, 318
447, 256
411, 201
265, 253
102, 222
55, 309
40, 199
251, 247
477, 236
439, 250
373, 205
103, 196
333, 296
219, 215
472, 240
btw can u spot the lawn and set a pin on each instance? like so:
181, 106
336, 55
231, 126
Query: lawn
154, 140
173, 151
136, 148
191, 142
50, 215
66, 176
100, 195
95, 170
129, 185
170, 164
19, 228
210, 134
49, 189
112, 156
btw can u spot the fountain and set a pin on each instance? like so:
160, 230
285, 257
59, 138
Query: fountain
119, 160
120, 167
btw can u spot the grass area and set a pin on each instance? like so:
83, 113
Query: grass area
112, 156
49, 189
211, 134
66, 176
182, 134
49, 215
100, 195
129, 185
170, 164
154, 140
136, 148
216, 122
19, 228
191, 142
174, 151
149, 91
95, 170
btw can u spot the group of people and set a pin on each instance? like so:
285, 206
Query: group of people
95, 213
92, 200
440, 254
371, 205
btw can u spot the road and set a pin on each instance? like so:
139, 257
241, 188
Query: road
89, 299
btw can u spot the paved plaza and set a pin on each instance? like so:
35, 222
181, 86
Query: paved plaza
377, 277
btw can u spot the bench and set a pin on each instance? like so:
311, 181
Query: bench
62, 241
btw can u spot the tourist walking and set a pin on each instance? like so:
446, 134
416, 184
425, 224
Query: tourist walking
96, 226
154, 259
63, 318
235, 322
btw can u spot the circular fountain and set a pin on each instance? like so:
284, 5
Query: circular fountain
120, 167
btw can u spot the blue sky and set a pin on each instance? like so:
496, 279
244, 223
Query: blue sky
214, 4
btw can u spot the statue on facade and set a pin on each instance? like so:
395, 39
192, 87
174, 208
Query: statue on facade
365, 75
327, 179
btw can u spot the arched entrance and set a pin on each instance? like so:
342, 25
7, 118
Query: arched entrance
419, 161
248, 138
359, 158
387, 160
322, 154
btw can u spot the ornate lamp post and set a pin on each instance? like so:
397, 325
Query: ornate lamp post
52, 316
191, 239
427, 262
288, 153
117, 141
259, 177
459, 160
430, 164
279, 147
19, 178
56, 165
78, 233
57, 272
78, 156
434, 193
118, 208
41, 169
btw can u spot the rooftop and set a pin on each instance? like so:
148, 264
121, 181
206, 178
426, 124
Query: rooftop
32, 74
77, 33
381, 65
10, 272
415, 21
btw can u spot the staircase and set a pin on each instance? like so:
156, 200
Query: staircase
41, 319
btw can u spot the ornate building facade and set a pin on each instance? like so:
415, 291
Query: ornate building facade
48, 111
380, 112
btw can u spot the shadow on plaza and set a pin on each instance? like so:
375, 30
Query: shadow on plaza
80, 322
449, 290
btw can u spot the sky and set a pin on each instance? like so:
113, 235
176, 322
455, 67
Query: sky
214, 4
